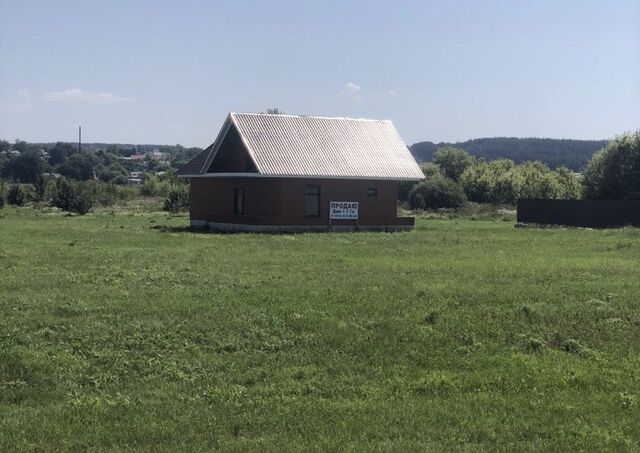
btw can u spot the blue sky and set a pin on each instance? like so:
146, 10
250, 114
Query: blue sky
169, 71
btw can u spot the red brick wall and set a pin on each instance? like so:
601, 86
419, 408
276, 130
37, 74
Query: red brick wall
281, 201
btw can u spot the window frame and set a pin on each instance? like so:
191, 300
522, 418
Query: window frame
318, 197
238, 194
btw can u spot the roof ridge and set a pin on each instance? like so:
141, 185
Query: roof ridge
311, 116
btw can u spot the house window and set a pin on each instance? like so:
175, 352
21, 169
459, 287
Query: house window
372, 192
238, 201
312, 201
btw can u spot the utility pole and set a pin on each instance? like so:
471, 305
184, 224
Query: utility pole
79, 138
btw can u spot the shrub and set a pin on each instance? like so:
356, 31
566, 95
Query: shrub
40, 189
83, 199
429, 169
439, 192
1, 195
503, 182
538, 181
569, 183
16, 195
63, 194
178, 200
572, 346
106, 194
477, 182
150, 186
73, 196
120, 180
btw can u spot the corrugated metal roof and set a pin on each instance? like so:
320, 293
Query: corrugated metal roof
287, 145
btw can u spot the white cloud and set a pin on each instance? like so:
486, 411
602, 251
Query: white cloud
77, 95
352, 91
24, 93
388, 94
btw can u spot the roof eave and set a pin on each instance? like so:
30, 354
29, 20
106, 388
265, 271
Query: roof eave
260, 175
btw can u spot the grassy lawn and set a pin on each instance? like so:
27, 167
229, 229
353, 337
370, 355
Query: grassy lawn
124, 331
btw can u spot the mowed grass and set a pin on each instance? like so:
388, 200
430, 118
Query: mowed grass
124, 331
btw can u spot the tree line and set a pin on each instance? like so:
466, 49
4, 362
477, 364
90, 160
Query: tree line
555, 153
455, 177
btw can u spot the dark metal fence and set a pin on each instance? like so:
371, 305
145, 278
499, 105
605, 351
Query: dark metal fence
581, 213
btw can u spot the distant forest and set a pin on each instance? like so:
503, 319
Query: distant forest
554, 152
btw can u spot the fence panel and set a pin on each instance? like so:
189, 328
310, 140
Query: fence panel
581, 213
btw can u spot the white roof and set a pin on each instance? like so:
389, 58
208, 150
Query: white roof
311, 146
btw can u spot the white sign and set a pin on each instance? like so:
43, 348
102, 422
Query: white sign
343, 210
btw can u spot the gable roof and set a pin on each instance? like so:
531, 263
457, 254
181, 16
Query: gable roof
194, 166
309, 146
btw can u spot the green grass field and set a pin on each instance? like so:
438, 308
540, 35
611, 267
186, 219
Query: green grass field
126, 331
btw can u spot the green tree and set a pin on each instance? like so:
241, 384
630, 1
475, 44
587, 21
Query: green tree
435, 193
614, 172
430, 171
537, 181
20, 146
40, 189
506, 186
16, 195
59, 153
80, 167
569, 183
477, 182
452, 161
112, 173
25, 168
4, 146
73, 196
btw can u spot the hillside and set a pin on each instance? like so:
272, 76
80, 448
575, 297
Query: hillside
554, 152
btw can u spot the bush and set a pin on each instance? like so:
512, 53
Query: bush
178, 200
153, 186
614, 172
16, 195
570, 186
452, 161
83, 200
503, 182
73, 196
477, 182
40, 189
120, 180
436, 193
2, 191
63, 194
